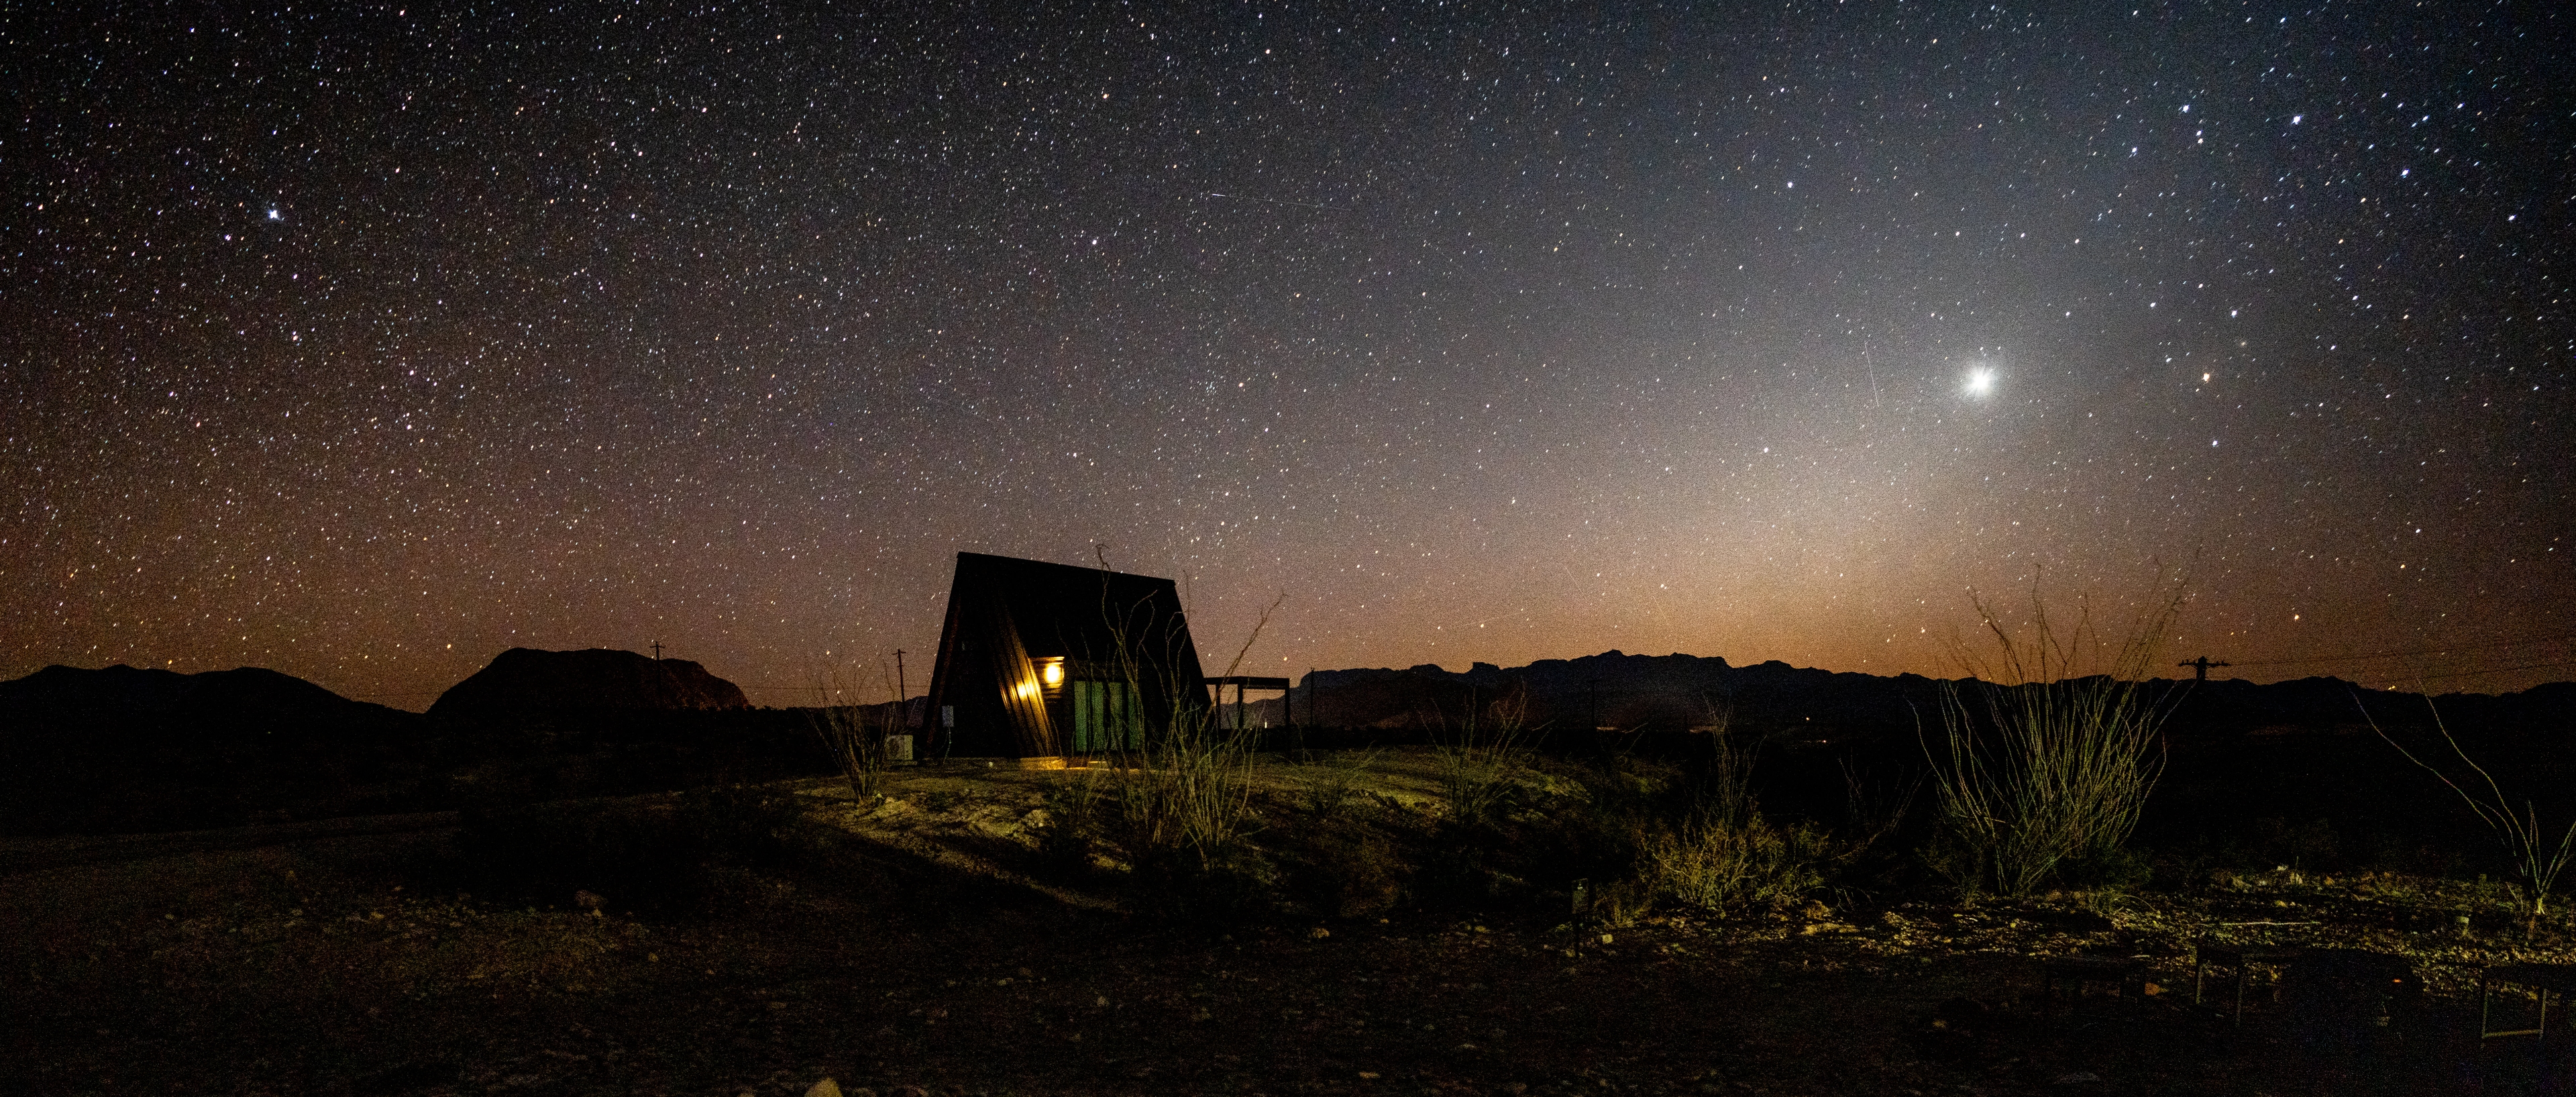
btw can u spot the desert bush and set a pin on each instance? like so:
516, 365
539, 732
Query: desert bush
1727, 793
1490, 841
855, 739
1177, 823
1724, 856
1182, 812
2041, 767
1722, 866
1074, 830
1192, 796
854, 735
1875, 807
1622, 904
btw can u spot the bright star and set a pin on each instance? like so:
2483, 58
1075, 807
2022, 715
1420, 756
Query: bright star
274, 215
1980, 382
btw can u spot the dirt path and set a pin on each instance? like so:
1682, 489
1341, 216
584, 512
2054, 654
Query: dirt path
31, 854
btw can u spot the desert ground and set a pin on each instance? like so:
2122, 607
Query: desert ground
942, 936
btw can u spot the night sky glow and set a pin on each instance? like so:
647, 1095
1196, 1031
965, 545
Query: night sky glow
365, 342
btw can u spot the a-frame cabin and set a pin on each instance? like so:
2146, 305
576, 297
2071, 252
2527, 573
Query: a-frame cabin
1046, 662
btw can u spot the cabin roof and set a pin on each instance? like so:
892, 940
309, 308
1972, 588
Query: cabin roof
1071, 612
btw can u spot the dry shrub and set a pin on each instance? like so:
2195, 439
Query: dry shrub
1722, 866
1333, 778
1181, 811
1727, 857
855, 735
1192, 797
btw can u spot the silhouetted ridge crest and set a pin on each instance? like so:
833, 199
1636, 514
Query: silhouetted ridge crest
526, 682
121, 749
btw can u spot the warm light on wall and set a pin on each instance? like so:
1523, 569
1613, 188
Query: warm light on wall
1052, 673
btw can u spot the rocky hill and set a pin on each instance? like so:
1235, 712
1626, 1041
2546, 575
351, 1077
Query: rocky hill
526, 683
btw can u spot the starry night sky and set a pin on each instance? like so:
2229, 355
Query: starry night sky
366, 343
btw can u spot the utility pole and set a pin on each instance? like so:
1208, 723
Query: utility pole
901, 692
657, 651
2200, 667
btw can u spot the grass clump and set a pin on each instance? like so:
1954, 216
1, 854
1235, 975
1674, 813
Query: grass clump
1482, 754
1334, 778
1191, 800
1177, 824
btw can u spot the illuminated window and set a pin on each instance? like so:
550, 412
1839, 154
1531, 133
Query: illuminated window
1107, 716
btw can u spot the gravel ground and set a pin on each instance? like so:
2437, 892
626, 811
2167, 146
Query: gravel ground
337, 965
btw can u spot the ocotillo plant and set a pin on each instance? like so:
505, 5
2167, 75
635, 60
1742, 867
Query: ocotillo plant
2039, 765
2536, 863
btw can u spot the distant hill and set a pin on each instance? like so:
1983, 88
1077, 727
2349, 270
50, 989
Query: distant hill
126, 749
1656, 693
1616, 690
528, 683
539, 725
